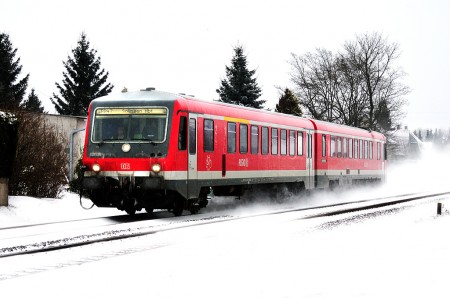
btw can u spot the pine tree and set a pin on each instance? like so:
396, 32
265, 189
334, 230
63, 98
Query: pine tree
11, 92
240, 87
289, 104
383, 117
33, 103
83, 81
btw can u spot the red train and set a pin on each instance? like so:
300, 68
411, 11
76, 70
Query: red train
158, 150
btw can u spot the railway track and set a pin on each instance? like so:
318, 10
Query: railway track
115, 229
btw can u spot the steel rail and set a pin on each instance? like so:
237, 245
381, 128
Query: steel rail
119, 234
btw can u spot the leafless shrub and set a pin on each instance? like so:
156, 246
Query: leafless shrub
41, 161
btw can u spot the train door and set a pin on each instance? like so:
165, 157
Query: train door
309, 160
192, 174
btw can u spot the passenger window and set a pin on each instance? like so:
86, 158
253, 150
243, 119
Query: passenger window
378, 151
283, 145
299, 143
291, 142
356, 149
345, 147
339, 143
350, 148
274, 141
365, 150
182, 133
208, 135
324, 145
265, 140
361, 149
333, 146
243, 138
254, 139
231, 137
370, 150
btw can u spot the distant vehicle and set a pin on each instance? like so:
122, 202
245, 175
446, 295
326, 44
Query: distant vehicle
158, 150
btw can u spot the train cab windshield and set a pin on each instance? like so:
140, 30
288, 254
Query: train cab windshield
129, 125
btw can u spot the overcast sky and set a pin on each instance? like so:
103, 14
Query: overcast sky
183, 46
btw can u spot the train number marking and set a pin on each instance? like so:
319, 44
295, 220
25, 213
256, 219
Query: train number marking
208, 163
125, 166
243, 162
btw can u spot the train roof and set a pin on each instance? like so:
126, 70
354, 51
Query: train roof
137, 96
196, 105
192, 104
345, 129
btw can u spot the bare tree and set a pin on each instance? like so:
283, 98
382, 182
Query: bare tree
359, 86
372, 57
351, 100
40, 165
315, 78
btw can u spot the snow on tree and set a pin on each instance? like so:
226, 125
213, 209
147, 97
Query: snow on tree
84, 80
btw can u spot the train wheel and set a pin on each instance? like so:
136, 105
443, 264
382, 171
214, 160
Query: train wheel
149, 210
178, 207
194, 209
130, 211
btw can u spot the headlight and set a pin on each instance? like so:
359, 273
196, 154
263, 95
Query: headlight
156, 168
126, 147
96, 168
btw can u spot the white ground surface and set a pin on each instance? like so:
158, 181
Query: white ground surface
401, 252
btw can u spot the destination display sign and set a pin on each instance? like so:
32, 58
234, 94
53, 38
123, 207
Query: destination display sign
131, 111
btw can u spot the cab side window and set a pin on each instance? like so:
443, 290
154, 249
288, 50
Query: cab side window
182, 133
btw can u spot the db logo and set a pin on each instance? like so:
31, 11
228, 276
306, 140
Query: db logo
125, 166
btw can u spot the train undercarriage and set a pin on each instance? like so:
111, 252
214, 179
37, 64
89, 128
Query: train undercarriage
134, 194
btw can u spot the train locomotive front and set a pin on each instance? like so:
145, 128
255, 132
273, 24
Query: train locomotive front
127, 147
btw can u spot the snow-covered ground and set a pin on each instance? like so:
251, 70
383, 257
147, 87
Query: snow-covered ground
400, 252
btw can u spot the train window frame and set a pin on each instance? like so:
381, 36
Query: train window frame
274, 142
332, 146
292, 143
182, 134
254, 139
356, 143
192, 136
370, 150
208, 135
129, 114
300, 143
231, 137
243, 138
264, 140
283, 142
